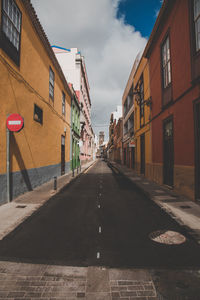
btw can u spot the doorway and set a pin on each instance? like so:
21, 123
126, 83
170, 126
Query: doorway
197, 150
142, 154
168, 152
62, 155
133, 157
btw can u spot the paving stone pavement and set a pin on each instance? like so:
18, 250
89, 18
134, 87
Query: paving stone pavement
49, 282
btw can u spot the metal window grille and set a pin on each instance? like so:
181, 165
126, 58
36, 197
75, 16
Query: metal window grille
142, 98
166, 64
51, 83
197, 23
63, 103
11, 22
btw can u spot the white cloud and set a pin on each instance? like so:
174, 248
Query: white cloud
109, 46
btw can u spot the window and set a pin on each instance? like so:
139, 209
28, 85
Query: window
63, 103
166, 66
197, 23
11, 22
73, 114
11, 19
38, 114
51, 83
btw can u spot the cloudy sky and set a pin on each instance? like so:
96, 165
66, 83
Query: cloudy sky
109, 34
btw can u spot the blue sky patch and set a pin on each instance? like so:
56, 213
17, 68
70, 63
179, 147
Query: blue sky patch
141, 14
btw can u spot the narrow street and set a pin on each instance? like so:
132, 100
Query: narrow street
100, 219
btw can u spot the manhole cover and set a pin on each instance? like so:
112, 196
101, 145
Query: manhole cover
167, 237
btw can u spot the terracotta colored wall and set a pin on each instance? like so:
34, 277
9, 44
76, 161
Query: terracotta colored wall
177, 25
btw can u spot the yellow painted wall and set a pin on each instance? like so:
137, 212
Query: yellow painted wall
143, 68
20, 87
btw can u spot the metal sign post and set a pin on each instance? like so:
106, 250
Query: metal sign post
8, 163
14, 123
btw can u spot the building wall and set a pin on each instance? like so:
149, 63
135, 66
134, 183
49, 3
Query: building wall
144, 127
35, 150
183, 95
75, 126
73, 66
67, 60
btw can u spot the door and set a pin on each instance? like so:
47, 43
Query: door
142, 154
62, 154
128, 157
168, 152
133, 157
197, 151
125, 156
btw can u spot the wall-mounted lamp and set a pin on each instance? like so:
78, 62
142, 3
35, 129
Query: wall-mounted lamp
138, 98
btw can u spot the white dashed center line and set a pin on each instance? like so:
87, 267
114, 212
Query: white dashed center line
98, 255
99, 229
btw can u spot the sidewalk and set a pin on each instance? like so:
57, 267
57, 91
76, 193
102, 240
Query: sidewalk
14, 213
34, 281
184, 211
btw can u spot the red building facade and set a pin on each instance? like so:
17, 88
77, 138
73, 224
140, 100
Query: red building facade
173, 51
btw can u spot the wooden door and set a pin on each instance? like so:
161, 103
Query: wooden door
62, 155
133, 157
142, 154
168, 152
197, 151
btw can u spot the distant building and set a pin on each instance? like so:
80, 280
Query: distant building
118, 137
115, 116
101, 137
74, 69
75, 130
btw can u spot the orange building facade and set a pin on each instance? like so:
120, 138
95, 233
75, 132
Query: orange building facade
32, 85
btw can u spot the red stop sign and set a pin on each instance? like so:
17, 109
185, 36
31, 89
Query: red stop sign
14, 122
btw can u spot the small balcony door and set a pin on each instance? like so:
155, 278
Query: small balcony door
62, 155
142, 154
168, 152
197, 150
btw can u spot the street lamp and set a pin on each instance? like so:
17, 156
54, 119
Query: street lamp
138, 98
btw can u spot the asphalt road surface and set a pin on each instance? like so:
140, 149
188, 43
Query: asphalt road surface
99, 219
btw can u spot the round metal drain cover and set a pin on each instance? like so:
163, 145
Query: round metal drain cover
167, 237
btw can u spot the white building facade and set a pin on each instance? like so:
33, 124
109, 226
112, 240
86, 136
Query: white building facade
74, 69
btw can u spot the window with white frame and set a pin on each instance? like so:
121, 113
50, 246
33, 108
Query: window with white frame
197, 23
51, 83
11, 22
166, 64
63, 103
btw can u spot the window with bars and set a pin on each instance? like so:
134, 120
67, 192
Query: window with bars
141, 89
197, 23
51, 83
166, 64
63, 103
11, 22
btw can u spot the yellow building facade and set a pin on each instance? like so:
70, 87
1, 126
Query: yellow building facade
32, 85
142, 117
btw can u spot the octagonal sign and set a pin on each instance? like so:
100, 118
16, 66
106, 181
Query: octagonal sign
14, 122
